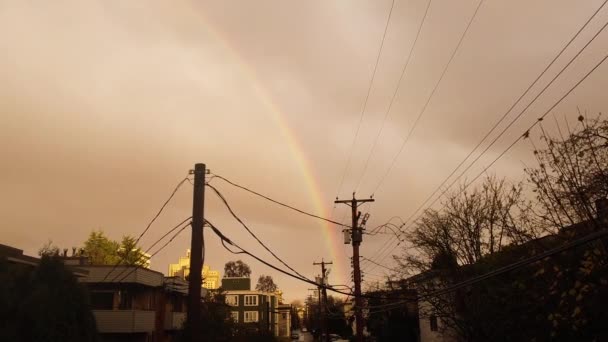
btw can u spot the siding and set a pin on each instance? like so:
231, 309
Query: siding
140, 275
124, 321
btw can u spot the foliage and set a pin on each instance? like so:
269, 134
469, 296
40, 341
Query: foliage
216, 323
44, 303
237, 269
101, 250
555, 298
129, 253
295, 319
266, 284
391, 321
337, 322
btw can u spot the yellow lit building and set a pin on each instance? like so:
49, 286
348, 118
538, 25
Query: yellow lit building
211, 278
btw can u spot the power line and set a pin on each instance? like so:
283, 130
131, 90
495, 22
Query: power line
369, 89
511, 108
516, 118
597, 65
445, 69
448, 289
513, 266
133, 269
225, 240
149, 224
394, 96
278, 202
154, 244
223, 199
375, 263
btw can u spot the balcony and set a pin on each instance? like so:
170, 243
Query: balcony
124, 321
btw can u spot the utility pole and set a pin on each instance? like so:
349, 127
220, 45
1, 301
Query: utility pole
323, 288
318, 308
356, 237
196, 253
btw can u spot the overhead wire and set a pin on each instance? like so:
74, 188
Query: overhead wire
512, 266
278, 202
122, 259
369, 89
522, 136
394, 96
445, 190
183, 227
504, 115
421, 113
236, 217
450, 288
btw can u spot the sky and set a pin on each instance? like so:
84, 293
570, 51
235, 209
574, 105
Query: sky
106, 105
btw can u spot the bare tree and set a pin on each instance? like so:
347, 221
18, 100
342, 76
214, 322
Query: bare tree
471, 224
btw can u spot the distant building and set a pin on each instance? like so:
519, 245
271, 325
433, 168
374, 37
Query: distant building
255, 310
284, 320
211, 278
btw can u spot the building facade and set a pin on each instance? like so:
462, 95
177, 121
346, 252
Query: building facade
255, 310
211, 278
135, 304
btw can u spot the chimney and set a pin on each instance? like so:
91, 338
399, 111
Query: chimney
601, 207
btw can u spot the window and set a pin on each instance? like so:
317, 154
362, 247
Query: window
251, 300
235, 316
102, 300
232, 300
433, 321
251, 316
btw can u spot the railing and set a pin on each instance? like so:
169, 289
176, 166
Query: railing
124, 321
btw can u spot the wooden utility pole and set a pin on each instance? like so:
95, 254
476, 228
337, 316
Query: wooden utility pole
196, 253
356, 237
323, 288
318, 289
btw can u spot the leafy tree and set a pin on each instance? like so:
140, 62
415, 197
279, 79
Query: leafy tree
45, 303
101, 250
266, 284
129, 253
237, 269
216, 323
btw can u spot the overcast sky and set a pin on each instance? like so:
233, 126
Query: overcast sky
106, 105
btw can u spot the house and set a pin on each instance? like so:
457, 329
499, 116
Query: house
133, 303
511, 258
252, 309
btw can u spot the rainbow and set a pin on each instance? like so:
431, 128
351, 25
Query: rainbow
331, 234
